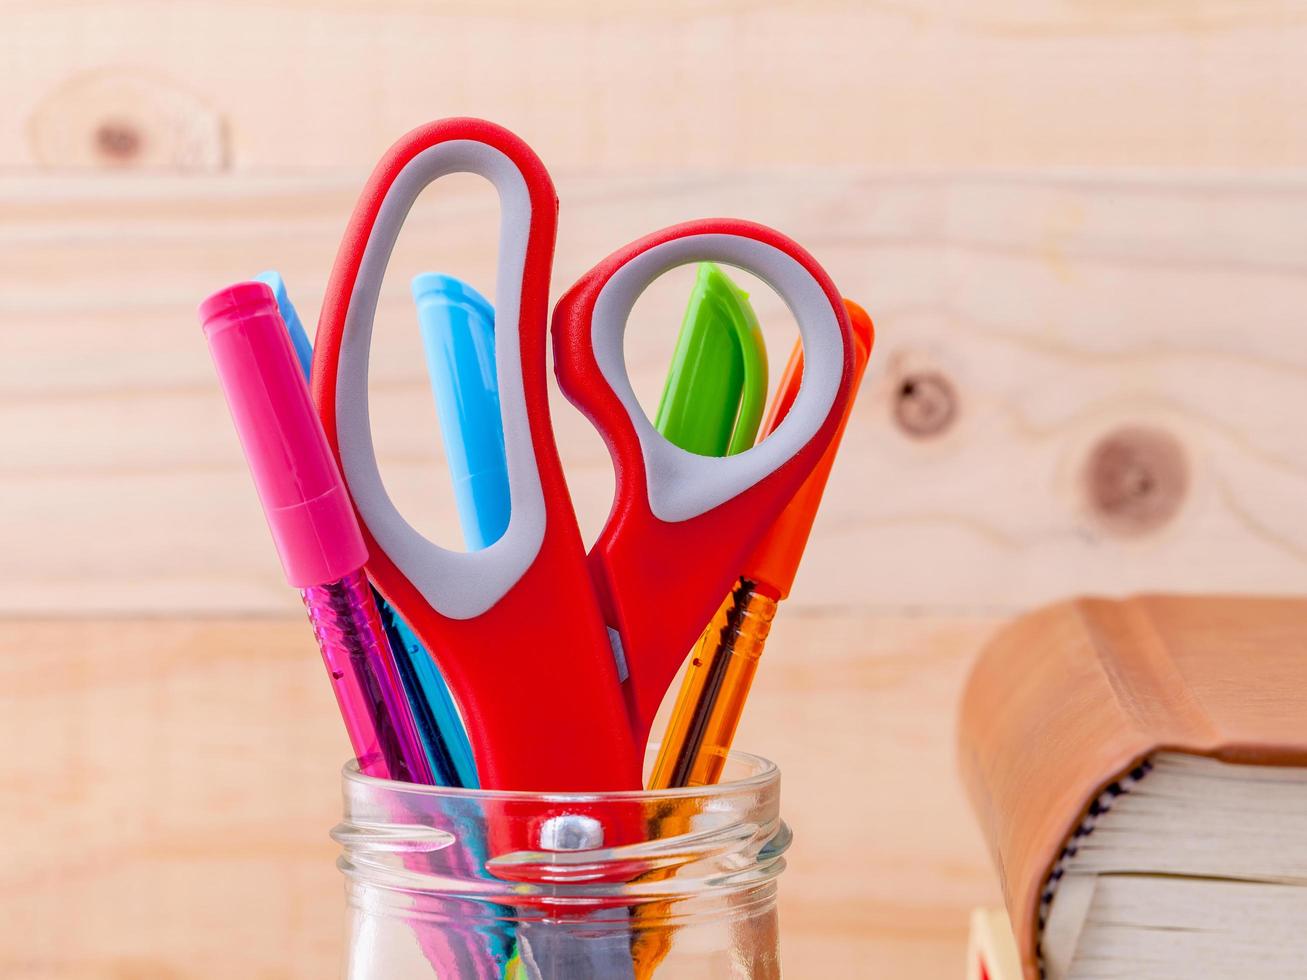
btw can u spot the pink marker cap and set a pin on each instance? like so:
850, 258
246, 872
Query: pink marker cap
299, 485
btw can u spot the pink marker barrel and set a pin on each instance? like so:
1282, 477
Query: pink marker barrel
312, 523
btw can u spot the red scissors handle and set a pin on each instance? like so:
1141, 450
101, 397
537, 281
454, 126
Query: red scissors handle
682, 525
516, 628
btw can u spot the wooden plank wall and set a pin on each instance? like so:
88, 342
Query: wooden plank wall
1081, 230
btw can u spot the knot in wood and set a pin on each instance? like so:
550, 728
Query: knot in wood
1135, 479
925, 404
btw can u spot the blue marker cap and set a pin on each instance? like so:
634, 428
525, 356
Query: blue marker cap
458, 334
298, 338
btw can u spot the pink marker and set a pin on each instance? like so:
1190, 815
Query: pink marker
313, 524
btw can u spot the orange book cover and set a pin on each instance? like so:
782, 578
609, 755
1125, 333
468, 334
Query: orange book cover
1069, 701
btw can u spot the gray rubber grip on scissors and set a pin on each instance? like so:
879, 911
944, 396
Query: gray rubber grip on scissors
683, 485
460, 585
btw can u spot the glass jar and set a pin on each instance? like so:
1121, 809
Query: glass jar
456, 883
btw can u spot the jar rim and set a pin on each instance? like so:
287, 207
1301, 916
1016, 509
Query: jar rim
758, 772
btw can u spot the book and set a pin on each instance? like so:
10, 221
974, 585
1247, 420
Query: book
1139, 770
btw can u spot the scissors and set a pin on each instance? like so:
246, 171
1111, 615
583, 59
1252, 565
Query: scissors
557, 658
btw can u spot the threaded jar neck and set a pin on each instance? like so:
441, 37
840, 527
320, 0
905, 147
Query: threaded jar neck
714, 843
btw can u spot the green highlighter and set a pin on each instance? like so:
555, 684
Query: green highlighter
712, 402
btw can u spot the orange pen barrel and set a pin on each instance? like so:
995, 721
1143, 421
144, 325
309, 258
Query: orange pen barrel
721, 670
775, 562
717, 682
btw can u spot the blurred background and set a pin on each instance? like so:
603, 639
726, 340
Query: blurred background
1080, 227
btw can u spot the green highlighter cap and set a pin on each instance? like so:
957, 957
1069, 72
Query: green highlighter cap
713, 400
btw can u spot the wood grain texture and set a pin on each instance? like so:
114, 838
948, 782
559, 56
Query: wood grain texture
1036, 314
173, 781
323, 83
1059, 311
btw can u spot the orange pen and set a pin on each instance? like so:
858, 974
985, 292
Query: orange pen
722, 666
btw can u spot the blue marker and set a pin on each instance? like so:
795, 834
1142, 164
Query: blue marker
438, 721
437, 718
458, 334
298, 338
